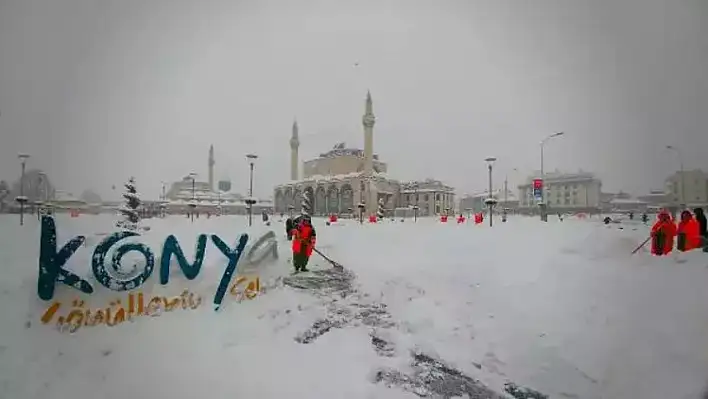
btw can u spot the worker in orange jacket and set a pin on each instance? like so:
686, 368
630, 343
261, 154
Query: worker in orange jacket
304, 239
689, 236
662, 234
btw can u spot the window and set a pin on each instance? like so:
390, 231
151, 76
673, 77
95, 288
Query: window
425, 197
437, 197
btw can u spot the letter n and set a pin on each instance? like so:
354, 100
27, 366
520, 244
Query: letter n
51, 262
190, 270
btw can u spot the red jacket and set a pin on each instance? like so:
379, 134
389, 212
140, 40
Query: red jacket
669, 229
304, 239
691, 229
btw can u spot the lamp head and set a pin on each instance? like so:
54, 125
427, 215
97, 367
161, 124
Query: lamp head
251, 157
23, 157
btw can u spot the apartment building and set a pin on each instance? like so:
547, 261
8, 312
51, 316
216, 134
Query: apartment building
563, 191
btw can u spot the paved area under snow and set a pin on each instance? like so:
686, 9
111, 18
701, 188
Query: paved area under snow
425, 309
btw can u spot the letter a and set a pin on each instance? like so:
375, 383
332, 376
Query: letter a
171, 247
51, 262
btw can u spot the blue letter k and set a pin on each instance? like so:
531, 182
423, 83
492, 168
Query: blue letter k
51, 262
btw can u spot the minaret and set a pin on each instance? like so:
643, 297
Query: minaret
368, 120
294, 146
212, 162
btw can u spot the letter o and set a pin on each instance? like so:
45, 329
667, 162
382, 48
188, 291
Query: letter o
120, 281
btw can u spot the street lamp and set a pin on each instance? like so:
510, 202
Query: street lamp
361, 204
542, 205
250, 201
40, 200
506, 194
683, 175
415, 207
21, 198
490, 201
193, 203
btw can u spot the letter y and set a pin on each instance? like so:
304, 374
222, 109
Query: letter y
233, 256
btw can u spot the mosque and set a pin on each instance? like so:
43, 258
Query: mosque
202, 196
344, 179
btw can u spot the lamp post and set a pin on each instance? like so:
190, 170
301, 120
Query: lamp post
683, 175
542, 205
219, 208
415, 207
362, 204
250, 201
21, 198
40, 200
490, 200
193, 204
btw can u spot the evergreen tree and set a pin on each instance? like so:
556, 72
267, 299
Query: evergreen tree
306, 203
4, 193
381, 211
129, 211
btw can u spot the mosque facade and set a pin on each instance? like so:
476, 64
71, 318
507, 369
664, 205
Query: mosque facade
345, 179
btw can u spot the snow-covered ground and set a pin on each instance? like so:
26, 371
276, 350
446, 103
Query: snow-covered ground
561, 308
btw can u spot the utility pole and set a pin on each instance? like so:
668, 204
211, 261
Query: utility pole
683, 175
542, 205
490, 200
250, 201
22, 199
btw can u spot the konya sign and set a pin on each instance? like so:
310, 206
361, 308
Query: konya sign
112, 275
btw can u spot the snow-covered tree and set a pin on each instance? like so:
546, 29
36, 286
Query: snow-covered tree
129, 210
380, 212
4, 193
306, 203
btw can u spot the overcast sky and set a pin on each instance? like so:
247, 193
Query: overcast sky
99, 90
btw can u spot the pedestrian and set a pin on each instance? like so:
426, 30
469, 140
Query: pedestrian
688, 233
289, 226
701, 219
662, 234
304, 238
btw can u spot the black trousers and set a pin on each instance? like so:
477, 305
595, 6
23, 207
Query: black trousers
300, 260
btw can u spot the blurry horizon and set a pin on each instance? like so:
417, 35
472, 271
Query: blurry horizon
97, 92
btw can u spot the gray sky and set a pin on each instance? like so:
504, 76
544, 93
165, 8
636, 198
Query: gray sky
99, 90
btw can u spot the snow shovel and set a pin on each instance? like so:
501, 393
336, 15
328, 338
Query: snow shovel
334, 264
641, 245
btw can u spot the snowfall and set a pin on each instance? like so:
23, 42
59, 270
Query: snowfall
522, 309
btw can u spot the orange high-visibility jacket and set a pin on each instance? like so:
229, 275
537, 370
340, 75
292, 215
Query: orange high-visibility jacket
691, 229
304, 239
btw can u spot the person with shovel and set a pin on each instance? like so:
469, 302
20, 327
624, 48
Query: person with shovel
304, 240
663, 234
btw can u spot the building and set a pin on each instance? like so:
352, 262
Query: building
687, 188
626, 205
476, 202
344, 180
609, 201
190, 193
63, 201
655, 199
563, 192
432, 197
